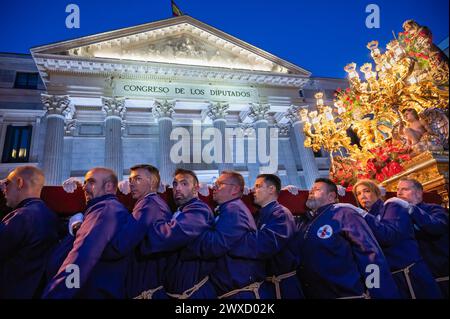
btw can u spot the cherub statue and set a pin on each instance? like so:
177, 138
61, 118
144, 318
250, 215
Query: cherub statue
428, 130
414, 130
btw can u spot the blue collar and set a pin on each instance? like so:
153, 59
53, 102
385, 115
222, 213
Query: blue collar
231, 200
319, 211
188, 203
96, 200
376, 208
150, 194
269, 207
145, 197
270, 204
26, 201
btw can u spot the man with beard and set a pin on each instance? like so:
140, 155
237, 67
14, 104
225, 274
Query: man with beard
184, 278
270, 242
27, 235
339, 255
431, 224
86, 271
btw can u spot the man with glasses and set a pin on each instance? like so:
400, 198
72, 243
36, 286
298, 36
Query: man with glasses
233, 277
184, 278
27, 234
270, 243
86, 271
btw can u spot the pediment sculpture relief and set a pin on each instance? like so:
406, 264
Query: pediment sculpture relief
182, 49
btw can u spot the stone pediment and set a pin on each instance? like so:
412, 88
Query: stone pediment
181, 40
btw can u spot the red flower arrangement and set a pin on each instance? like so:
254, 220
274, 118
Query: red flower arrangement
414, 44
385, 163
348, 97
345, 171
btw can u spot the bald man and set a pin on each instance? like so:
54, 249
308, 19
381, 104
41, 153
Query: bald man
87, 272
27, 234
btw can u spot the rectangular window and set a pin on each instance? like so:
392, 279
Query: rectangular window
26, 80
17, 144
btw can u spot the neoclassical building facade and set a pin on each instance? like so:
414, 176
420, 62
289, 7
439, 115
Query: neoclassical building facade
170, 93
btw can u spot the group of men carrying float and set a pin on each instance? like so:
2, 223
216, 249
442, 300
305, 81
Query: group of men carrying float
331, 252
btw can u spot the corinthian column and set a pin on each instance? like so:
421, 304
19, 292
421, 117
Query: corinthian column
163, 112
217, 112
288, 156
258, 113
58, 109
70, 129
114, 109
309, 165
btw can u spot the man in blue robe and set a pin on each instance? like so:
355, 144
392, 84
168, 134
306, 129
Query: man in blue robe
27, 235
86, 271
270, 242
184, 278
339, 255
145, 274
233, 277
431, 224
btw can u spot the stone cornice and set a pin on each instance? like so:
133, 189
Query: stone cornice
143, 70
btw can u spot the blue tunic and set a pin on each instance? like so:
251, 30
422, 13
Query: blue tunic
58, 256
100, 277
431, 224
218, 242
337, 250
27, 236
270, 243
172, 236
393, 228
144, 272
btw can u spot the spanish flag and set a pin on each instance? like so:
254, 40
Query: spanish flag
176, 12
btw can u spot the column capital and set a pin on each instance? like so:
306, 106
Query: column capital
217, 110
247, 129
57, 105
70, 126
163, 109
258, 111
283, 129
113, 106
296, 114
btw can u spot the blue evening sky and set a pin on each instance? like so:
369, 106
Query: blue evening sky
320, 36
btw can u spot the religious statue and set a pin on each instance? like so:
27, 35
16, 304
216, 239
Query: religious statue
418, 41
427, 131
414, 129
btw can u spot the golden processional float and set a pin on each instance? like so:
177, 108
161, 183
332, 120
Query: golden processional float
395, 123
